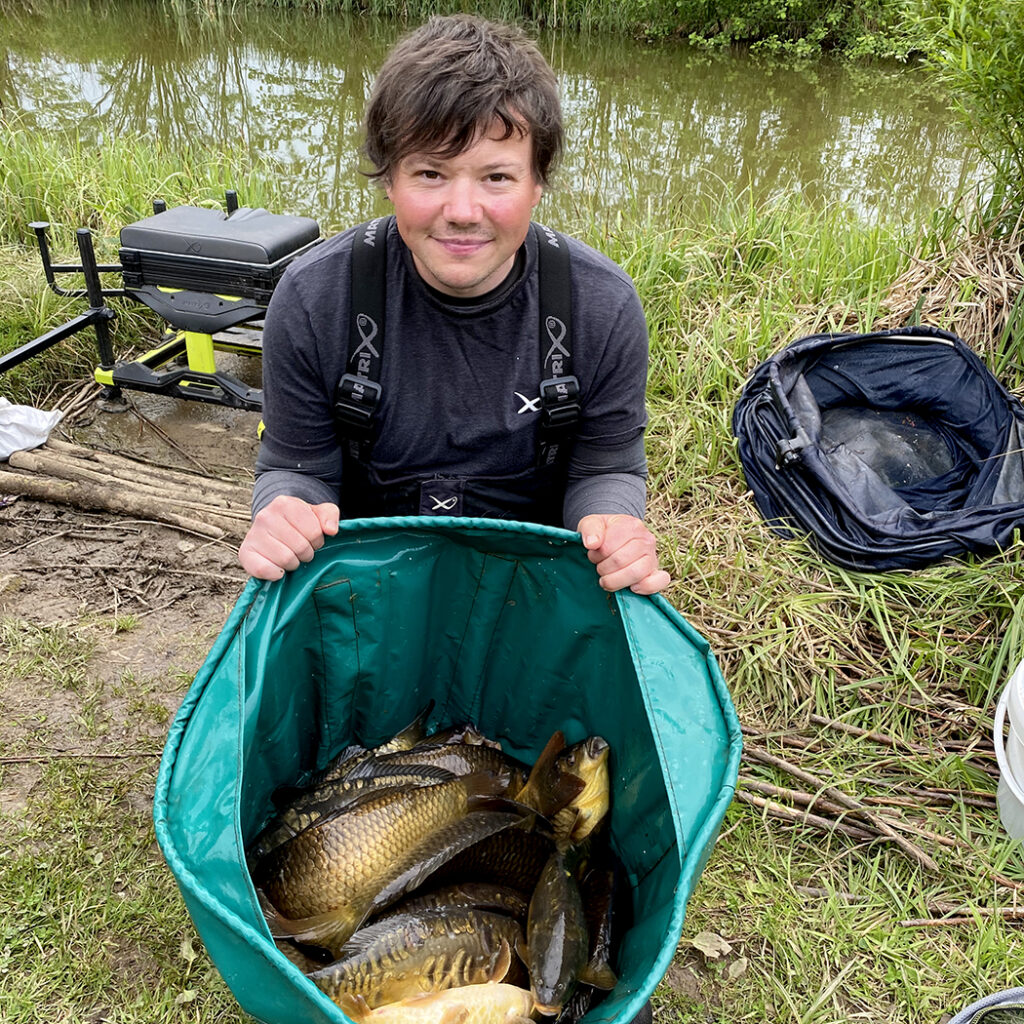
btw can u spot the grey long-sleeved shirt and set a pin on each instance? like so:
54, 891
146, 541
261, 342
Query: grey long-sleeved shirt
459, 378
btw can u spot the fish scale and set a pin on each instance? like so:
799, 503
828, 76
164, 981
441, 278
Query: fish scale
347, 858
415, 953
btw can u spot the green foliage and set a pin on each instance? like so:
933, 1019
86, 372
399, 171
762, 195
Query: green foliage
978, 48
56, 177
794, 27
800, 27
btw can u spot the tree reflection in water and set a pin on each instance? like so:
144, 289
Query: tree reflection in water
645, 123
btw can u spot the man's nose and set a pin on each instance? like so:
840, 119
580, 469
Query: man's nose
462, 205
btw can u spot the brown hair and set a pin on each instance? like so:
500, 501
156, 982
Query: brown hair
452, 78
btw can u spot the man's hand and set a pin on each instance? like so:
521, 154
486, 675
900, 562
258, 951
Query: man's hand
625, 553
284, 533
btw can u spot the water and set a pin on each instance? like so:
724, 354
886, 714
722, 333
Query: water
646, 124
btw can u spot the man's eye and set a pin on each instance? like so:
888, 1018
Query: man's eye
429, 175
498, 177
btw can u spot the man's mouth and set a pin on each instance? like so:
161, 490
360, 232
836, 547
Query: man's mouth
458, 246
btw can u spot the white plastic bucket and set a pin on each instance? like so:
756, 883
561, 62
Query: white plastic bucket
1015, 709
1010, 755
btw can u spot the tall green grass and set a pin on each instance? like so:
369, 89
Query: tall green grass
56, 177
976, 46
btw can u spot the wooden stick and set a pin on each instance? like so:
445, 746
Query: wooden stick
795, 796
164, 436
810, 890
39, 462
876, 737
114, 567
90, 496
803, 818
1004, 913
849, 802
136, 466
47, 758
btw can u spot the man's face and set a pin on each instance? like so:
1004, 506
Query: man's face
464, 218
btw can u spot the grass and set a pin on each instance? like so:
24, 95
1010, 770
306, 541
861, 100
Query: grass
814, 921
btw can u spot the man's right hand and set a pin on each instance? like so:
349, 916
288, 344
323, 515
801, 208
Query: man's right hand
284, 533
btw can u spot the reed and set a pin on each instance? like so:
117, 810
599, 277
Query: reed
56, 177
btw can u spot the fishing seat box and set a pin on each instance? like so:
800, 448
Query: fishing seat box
242, 254
499, 623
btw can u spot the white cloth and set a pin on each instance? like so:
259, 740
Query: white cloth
23, 427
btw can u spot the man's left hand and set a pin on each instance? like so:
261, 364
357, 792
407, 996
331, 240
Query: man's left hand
625, 553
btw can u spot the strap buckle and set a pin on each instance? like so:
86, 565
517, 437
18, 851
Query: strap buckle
357, 400
560, 401
788, 451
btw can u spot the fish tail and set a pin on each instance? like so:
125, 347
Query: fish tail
598, 974
354, 1006
328, 930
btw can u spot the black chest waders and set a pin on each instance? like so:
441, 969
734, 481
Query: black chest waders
535, 496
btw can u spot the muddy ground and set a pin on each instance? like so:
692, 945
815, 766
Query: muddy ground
124, 596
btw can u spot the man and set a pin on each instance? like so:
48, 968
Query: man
463, 128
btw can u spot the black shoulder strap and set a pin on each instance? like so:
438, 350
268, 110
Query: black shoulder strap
358, 392
559, 389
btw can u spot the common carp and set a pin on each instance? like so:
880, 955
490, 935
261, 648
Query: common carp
457, 758
412, 954
586, 761
513, 856
598, 890
464, 895
405, 738
492, 1003
310, 806
324, 882
557, 942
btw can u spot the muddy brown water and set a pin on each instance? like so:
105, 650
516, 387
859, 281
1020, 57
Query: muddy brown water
644, 122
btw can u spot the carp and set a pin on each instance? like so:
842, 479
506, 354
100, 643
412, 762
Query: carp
587, 762
311, 806
325, 881
557, 940
465, 895
514, 856
492, 1003
416, 953
457, 758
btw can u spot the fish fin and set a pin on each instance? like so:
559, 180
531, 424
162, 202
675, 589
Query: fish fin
486, 789
353, 1005
532, 793
454, 1015
522, 949
599, 975
501, 962
564, 822
408, 737
439, 848
330, 930
372, 768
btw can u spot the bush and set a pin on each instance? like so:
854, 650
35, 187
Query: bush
978, 48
